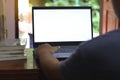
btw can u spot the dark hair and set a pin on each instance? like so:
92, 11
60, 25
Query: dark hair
116, 7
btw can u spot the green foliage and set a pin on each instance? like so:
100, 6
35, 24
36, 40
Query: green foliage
95, 4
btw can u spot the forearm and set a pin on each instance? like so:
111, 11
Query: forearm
50, 66
48, 61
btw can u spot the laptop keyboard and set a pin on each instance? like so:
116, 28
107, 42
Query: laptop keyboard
66, 49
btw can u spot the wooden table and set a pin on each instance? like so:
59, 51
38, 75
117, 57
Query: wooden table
20, 69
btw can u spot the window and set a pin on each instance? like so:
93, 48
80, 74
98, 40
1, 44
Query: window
24, 14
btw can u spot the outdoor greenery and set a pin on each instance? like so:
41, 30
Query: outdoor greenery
95, 4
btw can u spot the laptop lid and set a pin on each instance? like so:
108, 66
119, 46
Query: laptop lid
61, 25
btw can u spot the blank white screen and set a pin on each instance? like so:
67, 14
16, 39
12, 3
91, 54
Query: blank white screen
62, 25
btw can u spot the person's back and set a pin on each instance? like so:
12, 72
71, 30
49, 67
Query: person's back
97, 59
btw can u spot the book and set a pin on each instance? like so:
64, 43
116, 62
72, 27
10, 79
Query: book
12, 44
14, 52
12, 58
12, 49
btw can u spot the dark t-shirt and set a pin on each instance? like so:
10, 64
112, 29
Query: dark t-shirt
97, 59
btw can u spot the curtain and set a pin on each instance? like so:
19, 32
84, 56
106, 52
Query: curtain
3, 31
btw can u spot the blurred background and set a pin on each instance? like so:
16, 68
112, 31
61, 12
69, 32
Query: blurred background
25, 14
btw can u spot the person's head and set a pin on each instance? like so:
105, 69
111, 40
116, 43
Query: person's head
116, 7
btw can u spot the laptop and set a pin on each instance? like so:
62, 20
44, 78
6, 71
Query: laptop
62, 26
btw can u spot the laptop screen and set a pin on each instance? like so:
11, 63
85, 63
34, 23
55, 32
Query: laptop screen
61, 25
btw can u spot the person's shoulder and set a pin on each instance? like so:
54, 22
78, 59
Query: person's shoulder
114, 31
102, 39
110, 34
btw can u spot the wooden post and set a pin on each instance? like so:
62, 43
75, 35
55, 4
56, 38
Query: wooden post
3, 31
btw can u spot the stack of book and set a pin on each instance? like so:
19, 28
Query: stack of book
12, 49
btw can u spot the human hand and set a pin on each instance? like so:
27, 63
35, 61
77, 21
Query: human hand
46, 49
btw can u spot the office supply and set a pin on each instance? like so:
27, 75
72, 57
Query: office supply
64, 26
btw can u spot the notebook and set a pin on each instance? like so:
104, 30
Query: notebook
61, 26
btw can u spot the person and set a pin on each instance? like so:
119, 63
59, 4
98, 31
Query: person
96, 59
